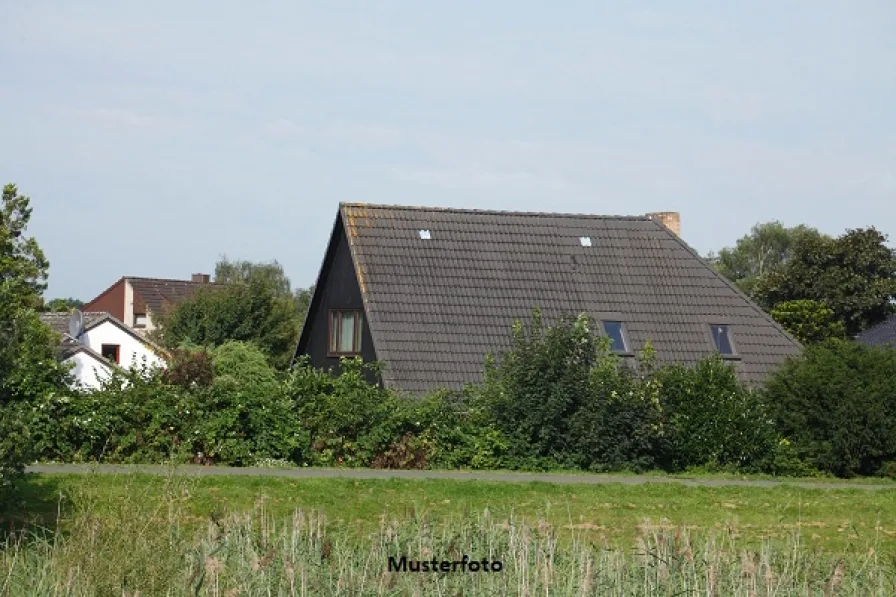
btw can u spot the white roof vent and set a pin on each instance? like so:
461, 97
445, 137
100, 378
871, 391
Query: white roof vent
585, 241
424, 234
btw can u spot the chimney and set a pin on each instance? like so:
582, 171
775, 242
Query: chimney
201, 278
669, 219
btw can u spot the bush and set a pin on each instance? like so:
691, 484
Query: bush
238, 416
620, 424
713, 420
837, 405
538, 387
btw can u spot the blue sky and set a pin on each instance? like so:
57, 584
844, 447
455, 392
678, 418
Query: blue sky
155, 136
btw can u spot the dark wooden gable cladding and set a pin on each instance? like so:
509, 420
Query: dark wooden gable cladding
337, 289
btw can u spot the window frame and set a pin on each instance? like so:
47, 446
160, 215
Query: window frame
145, 319
623, 332
116, 347
335, 327
734, 355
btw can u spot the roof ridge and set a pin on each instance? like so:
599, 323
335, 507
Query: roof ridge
167, 280
349, 204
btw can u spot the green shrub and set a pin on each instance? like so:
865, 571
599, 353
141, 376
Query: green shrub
837, 405
539, 386
713, 419
620, 424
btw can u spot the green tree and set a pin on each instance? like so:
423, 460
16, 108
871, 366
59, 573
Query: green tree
61, 305
854, 275
765, 249
249, 312
808, 321
28, 366
269, 274
835, 404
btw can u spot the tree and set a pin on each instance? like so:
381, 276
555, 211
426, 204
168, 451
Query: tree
808, 321
61, 305
270, 274
249, 312
28, 365
765, 249
835, 404
854, 275
23, 266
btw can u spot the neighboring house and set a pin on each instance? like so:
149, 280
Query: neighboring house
883, 334
430, 292
135, 300
102, 344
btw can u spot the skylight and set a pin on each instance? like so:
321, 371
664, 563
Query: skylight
585, 241
721, 337
615, 331
424, 234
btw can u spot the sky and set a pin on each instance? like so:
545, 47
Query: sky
154, 137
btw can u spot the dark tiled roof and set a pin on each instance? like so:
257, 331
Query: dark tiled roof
882, 334
436, 307
59, 321
157, 294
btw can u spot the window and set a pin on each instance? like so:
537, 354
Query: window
110, 351
424, 234
345, 332
139, 320
585, 241
615, 331
721, 337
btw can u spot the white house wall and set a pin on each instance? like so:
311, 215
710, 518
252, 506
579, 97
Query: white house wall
87, 371
131, 351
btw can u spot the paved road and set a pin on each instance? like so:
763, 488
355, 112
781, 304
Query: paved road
318, 473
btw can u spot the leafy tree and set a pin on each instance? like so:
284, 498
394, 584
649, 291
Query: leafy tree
62, 305
808, 321
23, 266
28, 365
269, 274
854, 275
765, 249
249, 312
835, 404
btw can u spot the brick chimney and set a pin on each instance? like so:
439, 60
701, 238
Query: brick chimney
669, 219
201, 278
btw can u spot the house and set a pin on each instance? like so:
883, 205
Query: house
134, 300
430, 292
882, 334
97, 343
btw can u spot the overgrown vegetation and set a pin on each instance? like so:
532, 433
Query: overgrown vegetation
559, 398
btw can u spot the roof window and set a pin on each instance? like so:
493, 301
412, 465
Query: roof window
585, 241
721, 337
615, 331
424, 234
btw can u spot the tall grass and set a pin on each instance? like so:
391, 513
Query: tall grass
140, 546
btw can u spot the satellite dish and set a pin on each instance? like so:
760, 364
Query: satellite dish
75, 323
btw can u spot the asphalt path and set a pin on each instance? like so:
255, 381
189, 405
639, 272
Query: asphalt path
331, 473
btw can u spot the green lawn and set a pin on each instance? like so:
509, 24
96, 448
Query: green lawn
831, 520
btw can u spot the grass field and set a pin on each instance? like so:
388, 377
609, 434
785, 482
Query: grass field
121, 533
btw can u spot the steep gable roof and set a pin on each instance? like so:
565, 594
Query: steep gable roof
437, 306
882, 334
